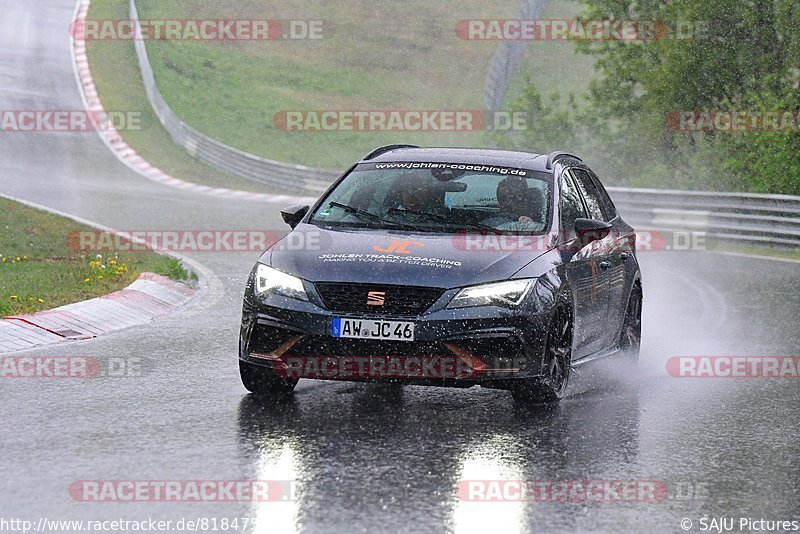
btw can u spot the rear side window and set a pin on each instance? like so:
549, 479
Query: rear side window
570, 206
589, 193
606, 204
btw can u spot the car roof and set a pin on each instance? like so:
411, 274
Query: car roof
481, 156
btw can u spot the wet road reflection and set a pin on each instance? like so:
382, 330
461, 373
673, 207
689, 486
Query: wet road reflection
378, 439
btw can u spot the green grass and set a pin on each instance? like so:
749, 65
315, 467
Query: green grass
116, 75
38, 270
554, 66
376, 55
758, 250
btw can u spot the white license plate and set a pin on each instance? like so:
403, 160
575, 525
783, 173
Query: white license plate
372, 329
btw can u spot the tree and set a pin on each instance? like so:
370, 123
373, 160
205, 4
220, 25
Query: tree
740, 55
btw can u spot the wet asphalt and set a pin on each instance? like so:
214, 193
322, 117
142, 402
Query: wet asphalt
363, 457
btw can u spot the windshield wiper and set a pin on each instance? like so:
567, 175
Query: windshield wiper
357, 211
443, 218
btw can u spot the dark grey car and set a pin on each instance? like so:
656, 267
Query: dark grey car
450, 267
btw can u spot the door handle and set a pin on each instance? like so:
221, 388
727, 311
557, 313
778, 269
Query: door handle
624, 255
605, 265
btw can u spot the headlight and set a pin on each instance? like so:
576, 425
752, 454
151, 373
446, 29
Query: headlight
507, 294
269, 280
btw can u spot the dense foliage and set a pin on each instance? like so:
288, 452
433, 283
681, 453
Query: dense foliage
738, 55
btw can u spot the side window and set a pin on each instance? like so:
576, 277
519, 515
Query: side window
609, 210
586, 185
570, 206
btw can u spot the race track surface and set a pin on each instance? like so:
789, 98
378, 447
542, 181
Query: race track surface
368, 458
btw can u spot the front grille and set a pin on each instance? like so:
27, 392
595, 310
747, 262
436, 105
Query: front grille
495, 354
397, 300
314, 346
486, 349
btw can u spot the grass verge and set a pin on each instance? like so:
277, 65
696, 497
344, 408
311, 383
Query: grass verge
39, 271
119, 84
375, 55
758, 250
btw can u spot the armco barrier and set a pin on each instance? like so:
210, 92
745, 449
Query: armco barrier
291, 178
772, 220
505, 59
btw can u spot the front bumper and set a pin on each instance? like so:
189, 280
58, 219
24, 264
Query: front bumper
488, 345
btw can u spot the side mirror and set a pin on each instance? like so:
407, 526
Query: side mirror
294, 214
589, 230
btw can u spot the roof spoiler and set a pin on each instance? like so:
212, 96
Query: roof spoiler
385, 148
557, 155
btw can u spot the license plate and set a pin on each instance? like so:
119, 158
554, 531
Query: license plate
372, 329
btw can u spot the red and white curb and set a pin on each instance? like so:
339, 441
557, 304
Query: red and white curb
150, 296
114, 141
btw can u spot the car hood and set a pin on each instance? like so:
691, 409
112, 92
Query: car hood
396, 257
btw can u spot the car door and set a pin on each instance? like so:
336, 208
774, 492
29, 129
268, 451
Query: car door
606, 254
583, 272
622, 243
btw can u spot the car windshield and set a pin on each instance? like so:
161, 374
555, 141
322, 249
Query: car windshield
438, 197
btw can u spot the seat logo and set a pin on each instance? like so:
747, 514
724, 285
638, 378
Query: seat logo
376, 298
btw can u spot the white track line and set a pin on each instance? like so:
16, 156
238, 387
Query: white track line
124, 153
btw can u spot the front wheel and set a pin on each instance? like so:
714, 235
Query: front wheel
550, 388
262, 381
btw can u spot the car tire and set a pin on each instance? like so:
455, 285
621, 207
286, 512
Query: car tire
261, 381
558, 351
631, 336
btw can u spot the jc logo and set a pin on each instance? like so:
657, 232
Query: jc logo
398, 247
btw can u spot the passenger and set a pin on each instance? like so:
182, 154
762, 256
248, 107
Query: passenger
516, 204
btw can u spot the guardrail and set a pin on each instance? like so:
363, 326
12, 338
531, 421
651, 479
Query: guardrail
772, 220
294, 178
504, 61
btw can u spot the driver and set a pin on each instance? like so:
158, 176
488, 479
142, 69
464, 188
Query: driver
417, 193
